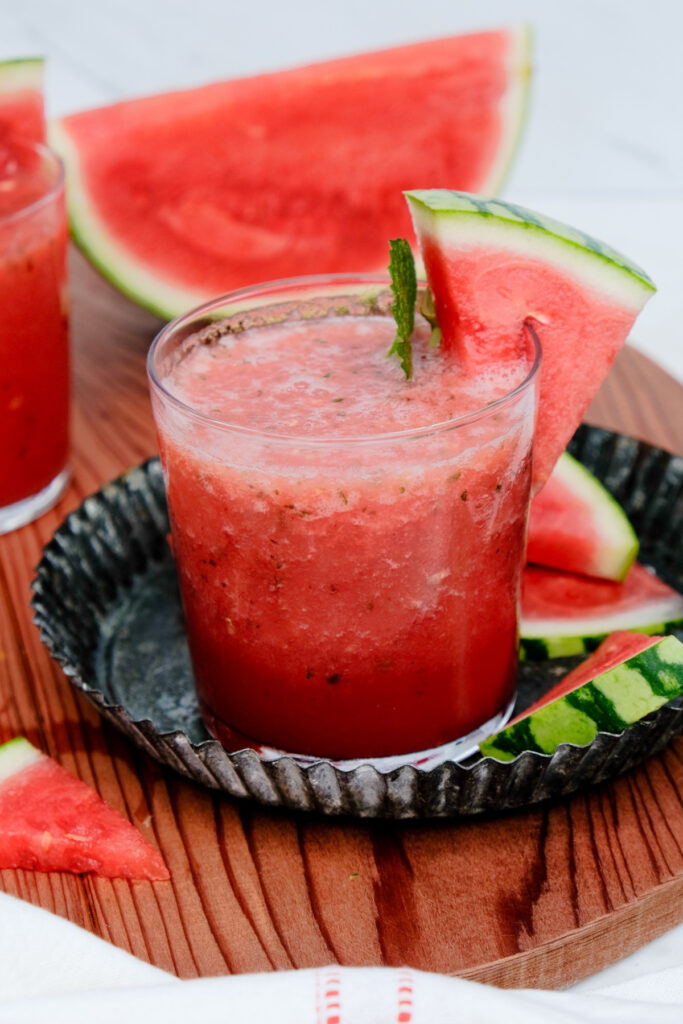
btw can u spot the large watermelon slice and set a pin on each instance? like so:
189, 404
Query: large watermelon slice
575, 524
493, 266
623, 681
21, 99
180, 197
51, 821
565, 614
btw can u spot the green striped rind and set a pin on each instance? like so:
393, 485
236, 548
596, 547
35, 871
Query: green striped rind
609, 703
461, 219
25, 73
540, 648
15, 755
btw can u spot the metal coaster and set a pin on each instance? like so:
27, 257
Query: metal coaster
107, 606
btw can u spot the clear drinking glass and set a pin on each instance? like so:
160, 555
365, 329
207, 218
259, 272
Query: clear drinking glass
351, 594
34, 352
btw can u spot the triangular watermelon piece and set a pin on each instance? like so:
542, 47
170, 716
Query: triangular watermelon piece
177, 198
494, 267
616, 648
576, 525
623, 681
52, 821
21, 99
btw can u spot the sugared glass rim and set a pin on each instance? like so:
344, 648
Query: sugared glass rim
52, 190
318, 282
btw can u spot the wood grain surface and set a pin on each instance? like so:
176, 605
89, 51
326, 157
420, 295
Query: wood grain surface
540, 898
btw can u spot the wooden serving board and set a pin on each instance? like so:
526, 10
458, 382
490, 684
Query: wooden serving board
540, 898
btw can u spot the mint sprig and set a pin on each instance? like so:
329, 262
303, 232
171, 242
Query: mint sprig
404, 287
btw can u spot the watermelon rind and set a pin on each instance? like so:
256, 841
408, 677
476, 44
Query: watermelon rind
609, 703
15, 755
560, 638
463, 219
52, 821
514, 108
110, 257
22, 73
616, 543
168, 299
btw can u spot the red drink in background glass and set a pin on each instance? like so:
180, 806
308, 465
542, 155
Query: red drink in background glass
34, 356
349, 543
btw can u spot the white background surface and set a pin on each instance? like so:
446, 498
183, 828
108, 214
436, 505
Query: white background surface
603, 148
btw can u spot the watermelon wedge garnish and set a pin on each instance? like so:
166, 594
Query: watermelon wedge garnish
493, 267
21, 99
564, 613
181, 197
52, 821
575, 524
623, 681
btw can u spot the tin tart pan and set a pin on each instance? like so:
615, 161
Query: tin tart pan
106, 603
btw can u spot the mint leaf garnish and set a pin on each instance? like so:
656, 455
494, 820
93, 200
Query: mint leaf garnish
404, 287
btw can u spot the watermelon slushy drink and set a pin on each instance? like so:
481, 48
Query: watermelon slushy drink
349, 542
34, 382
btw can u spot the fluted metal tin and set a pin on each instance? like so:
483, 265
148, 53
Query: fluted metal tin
106, 604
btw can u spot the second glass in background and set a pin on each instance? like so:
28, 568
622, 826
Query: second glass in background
34, 349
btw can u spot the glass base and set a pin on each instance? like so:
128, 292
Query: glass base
28, 509
425, 760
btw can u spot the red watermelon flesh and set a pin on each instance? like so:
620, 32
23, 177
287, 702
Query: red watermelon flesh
615, 649
576, 525
52, 821
549, 595
21, 100
184, 196
489, 296
580, 332
495, 268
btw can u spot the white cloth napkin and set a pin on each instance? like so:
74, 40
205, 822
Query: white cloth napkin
52, 970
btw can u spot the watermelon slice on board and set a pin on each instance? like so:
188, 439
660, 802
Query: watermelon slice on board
52, 821
576, 525
184, 196
493, 267
564, 614
21, 99
623, 681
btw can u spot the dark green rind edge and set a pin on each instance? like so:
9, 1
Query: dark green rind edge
578, 716
543, 648
453, 203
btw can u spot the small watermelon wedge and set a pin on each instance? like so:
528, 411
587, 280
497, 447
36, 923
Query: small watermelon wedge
575, 524
177, 198
564, 613
52, 821
21, 99
493, 267
623, 681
